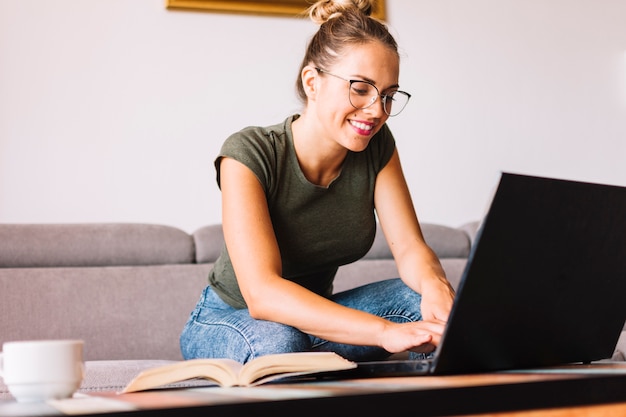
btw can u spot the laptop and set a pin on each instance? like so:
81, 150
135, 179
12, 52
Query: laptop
543, 286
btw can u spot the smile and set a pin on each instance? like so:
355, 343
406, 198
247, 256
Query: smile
363, 127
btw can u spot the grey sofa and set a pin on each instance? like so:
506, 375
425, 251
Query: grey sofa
127, 289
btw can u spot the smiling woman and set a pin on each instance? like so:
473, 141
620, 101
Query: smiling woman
268, 7
302, 197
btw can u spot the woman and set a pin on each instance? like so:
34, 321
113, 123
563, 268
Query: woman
300, 198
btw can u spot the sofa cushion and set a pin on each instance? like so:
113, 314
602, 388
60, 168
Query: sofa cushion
447, 242
209, 241
133, 312
471, 229
52, 245
367, 271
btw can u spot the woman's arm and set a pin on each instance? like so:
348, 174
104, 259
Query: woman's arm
256, 260
418, 265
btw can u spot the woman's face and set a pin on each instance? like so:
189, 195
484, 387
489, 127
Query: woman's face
349, 127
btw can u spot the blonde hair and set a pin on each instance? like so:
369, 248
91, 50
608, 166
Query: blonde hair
343, 23
323, 11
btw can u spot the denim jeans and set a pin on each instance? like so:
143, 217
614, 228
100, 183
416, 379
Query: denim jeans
217, 330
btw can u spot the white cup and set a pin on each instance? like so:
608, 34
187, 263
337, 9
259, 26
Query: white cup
40, 370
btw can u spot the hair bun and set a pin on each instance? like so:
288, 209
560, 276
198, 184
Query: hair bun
324, 10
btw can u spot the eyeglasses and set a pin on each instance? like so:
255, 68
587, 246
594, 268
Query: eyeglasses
362, 94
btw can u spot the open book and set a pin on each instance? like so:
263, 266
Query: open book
228, 373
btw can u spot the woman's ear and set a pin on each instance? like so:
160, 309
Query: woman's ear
309, 81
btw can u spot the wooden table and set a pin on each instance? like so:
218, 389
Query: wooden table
604, 410
588, 392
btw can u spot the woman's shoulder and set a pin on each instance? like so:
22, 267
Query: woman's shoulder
260, 148
274, 132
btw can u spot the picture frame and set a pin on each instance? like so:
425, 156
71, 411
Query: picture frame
293, 8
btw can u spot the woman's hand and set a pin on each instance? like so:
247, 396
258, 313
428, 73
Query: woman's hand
425, 335
437, 299
418, 336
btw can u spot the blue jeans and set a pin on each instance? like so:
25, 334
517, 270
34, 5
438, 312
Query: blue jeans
217, 330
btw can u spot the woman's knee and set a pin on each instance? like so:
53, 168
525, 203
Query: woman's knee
241, 343
201, 340
270, 337
383, 298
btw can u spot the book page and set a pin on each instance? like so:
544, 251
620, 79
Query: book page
269, 367
222, 371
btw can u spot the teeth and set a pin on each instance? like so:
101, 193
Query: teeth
360, 125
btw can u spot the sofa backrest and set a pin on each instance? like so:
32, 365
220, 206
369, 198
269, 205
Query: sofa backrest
445, 241
208, 241
87, 245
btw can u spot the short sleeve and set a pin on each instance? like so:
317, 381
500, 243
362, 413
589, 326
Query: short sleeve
254, 147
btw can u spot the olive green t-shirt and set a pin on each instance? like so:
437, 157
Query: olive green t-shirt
317, 228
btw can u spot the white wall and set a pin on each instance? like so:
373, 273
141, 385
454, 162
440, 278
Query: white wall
113, 110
